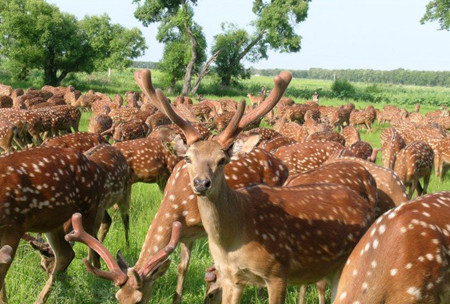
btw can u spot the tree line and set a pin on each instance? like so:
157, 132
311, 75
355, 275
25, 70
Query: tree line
398, 76
37, 35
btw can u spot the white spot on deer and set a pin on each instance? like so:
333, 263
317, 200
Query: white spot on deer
343, 296
414, 292
394, 271
408, 266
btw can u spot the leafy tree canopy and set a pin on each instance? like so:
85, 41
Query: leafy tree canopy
274, 29
438, 10
113, 45
36, 35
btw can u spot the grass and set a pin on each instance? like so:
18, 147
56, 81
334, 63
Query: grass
25, 278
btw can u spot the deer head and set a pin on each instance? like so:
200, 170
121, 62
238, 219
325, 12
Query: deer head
208, 171
135, 285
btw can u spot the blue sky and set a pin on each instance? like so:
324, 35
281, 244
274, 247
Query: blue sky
338, 34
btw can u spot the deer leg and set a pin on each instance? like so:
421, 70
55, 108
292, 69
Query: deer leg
231, 293
12, 239
92, 221
104, 227
301, 294
426, 181
185, 257
277, 290
63, 256
321, 287
438, 166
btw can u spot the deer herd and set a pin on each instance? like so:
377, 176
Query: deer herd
299, 203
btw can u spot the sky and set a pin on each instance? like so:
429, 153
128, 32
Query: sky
338, 34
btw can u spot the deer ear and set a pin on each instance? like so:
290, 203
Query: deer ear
158, 271
122, 262
172, 141
243, 146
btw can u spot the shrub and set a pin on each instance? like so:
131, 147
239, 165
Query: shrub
343, 88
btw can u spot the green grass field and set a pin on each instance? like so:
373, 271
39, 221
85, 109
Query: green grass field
25, 278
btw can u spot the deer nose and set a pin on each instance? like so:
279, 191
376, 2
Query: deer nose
202, 184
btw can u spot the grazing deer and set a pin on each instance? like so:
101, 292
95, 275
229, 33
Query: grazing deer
41, 189
119, 272
265, 235
403, 257
413, 162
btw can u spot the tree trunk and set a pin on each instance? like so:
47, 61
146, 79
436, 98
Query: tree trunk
226, 80
50, 77
190, 66
205, 70
171, 86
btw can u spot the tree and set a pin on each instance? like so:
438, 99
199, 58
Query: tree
173, 14
178, 51
35, 34
274, 29
113, 46
232, 44
438, 10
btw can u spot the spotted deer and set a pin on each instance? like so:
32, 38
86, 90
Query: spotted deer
8, 132
41, 189
349, 174
390, 188
326, 136
413, 162
180, 204
391, 143
363, 117
275, 222
351, 135
403, 257
119, 272
80, 141
306, 156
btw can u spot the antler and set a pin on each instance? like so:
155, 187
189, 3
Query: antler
79, 235
164, 253
238, 124
144, 80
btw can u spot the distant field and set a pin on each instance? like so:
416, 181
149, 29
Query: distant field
299, 89
25, 278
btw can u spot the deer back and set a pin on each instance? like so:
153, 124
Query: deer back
403, 257
43, 187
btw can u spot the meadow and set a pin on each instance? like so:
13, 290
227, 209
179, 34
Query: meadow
25, 278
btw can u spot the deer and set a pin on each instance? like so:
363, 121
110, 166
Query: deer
350, 174
302, 157
180, 204
119, 272
241, 222
403, 257
390, 188
80, 141
391, 143
441, 157
413, 162
41, 189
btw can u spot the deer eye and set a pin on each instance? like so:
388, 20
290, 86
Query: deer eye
187, 159
222, 161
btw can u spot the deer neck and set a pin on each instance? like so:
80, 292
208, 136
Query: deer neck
220, 214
